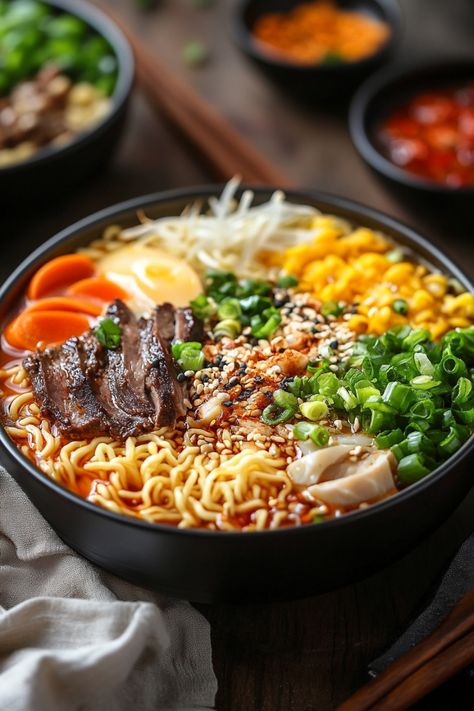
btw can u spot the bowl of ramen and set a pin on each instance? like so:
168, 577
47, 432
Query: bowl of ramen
65, 79
416, 129
317, 49
241, 394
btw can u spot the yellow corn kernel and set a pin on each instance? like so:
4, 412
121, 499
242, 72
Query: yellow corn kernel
398, 273
436, 284
425, 315
438, 328
462, 304
421, 300
459, 322
358, 323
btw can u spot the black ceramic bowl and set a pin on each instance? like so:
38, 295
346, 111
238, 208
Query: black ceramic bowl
54, 170
315, 82
209, 566
376, 100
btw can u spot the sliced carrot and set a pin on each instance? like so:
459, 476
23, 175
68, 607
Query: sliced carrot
67, 303
32, 329
98, 288
58, 273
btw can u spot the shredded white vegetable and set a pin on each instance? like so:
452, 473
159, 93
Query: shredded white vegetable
233, 233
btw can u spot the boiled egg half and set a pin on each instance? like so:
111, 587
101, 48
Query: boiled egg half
150, 276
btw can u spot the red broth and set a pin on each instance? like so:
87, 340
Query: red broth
432, 136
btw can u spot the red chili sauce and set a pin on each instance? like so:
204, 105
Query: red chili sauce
432, 136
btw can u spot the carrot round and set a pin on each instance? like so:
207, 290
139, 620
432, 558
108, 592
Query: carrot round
58, 273
66, 303
39, 328
98, 288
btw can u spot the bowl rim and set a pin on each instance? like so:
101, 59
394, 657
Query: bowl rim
243, 37
361, 107
360, 212
106, 28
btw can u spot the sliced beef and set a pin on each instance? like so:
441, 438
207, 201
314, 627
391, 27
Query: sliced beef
89, 390
187, 326
120, 384
64, 391
160, 372
164, 317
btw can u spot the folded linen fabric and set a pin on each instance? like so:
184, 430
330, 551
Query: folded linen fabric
74, 637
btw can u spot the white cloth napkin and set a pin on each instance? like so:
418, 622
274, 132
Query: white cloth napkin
74, 637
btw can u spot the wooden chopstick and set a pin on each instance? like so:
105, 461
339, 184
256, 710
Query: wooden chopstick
225, 152
438, 657
441, 667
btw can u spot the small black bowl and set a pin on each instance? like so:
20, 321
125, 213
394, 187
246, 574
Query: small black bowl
55, 170
376, 100
315, 82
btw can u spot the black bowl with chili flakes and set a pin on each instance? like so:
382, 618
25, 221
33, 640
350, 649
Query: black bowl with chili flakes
57, 166
317, 83
390, 94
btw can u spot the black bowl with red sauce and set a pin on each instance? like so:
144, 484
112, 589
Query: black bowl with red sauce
416, 130
209, 566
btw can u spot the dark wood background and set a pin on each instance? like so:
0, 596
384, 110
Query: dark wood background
310, 654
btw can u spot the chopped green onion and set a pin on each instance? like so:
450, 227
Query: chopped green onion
398, 396
331, 308
274, 415
287, 281
424, 382
255, 304
328, 384
386, 440
456, 437
179, 346
252, 287
412, 468
319, 435
423, 363
378, 405
395, 255
266, 329
195, 53
285, 399
378, 421
188, 354
333, 58
229, 308
365, 392
423, 409
466, 416
191, 359
462, 391
314, 410
453, 367
400, 306
202, 307
108, 333
348, 398
302, 430
229, 327
414, 338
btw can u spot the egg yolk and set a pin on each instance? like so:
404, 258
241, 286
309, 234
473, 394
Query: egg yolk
150, 276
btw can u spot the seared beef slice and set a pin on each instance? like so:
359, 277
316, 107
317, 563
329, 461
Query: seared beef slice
89, 390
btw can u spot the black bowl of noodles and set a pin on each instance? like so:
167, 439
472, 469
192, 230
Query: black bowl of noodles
207, 566
65, 85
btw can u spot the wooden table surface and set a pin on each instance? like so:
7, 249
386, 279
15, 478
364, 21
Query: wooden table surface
309, 654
